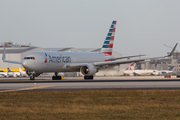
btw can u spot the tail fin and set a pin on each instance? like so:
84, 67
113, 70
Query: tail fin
131, 67
108, 43
9, 70
20, 70
170, 69
155, 65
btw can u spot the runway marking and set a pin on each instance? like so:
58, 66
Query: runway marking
31, 88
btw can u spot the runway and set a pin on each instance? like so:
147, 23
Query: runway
71, 84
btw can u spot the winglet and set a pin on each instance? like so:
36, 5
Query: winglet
172, 51
4, 54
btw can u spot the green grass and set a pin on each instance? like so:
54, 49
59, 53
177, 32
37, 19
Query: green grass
91, 105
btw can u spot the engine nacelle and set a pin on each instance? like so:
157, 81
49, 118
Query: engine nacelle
88, 70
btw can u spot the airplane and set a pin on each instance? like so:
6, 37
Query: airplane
132, 72
4, 74
7, 74
146, 71
12, 69
22, 73
163, 72
88, 63
129, 71
14, 74
17, 74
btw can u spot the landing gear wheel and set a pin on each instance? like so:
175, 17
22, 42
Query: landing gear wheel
32, 77
56, 78
88, 77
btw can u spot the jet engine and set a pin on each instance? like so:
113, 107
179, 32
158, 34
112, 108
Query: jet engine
88, 70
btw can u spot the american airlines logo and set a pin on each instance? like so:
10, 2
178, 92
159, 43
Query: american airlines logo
59, 59
45, 58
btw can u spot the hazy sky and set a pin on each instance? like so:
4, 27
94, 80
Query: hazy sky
142, 25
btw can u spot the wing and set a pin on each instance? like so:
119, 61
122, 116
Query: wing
126, 57
100, 64
123, 62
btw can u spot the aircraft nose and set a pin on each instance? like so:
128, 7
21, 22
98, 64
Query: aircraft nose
26, 64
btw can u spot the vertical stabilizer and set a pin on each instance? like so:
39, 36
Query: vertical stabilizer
131, 67
9, 70
155, 65
171, 68
108, 43
20, 70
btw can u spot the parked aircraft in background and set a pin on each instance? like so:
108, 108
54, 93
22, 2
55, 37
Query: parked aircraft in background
132, 72
12, 69
10, 73
22, 73
164, 72
129, 71
17, 74
88, 63
6, 74
146, 71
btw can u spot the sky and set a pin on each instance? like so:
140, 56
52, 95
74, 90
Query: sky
143, 26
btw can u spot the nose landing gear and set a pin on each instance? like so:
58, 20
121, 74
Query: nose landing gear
32, 74
32, 77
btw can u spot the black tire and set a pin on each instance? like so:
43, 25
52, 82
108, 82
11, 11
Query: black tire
88, 77
53, 77
32, 78
56, 77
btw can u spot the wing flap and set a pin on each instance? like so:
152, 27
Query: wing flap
126, 57
122, 62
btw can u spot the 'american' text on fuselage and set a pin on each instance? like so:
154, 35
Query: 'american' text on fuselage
59, 59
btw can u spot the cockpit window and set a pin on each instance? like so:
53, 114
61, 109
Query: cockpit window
33, 58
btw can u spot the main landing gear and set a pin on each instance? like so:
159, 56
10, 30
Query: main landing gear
88, 77
56, 77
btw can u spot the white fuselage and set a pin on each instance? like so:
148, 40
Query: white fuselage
7, 74
140, 72
163, 72
57, 61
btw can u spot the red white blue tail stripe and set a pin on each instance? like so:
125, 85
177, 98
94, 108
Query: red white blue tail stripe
108, 43
131, 67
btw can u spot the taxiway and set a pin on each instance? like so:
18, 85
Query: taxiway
78, 84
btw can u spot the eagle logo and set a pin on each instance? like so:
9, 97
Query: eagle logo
45, 58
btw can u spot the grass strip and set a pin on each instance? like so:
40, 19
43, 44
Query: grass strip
91, 104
